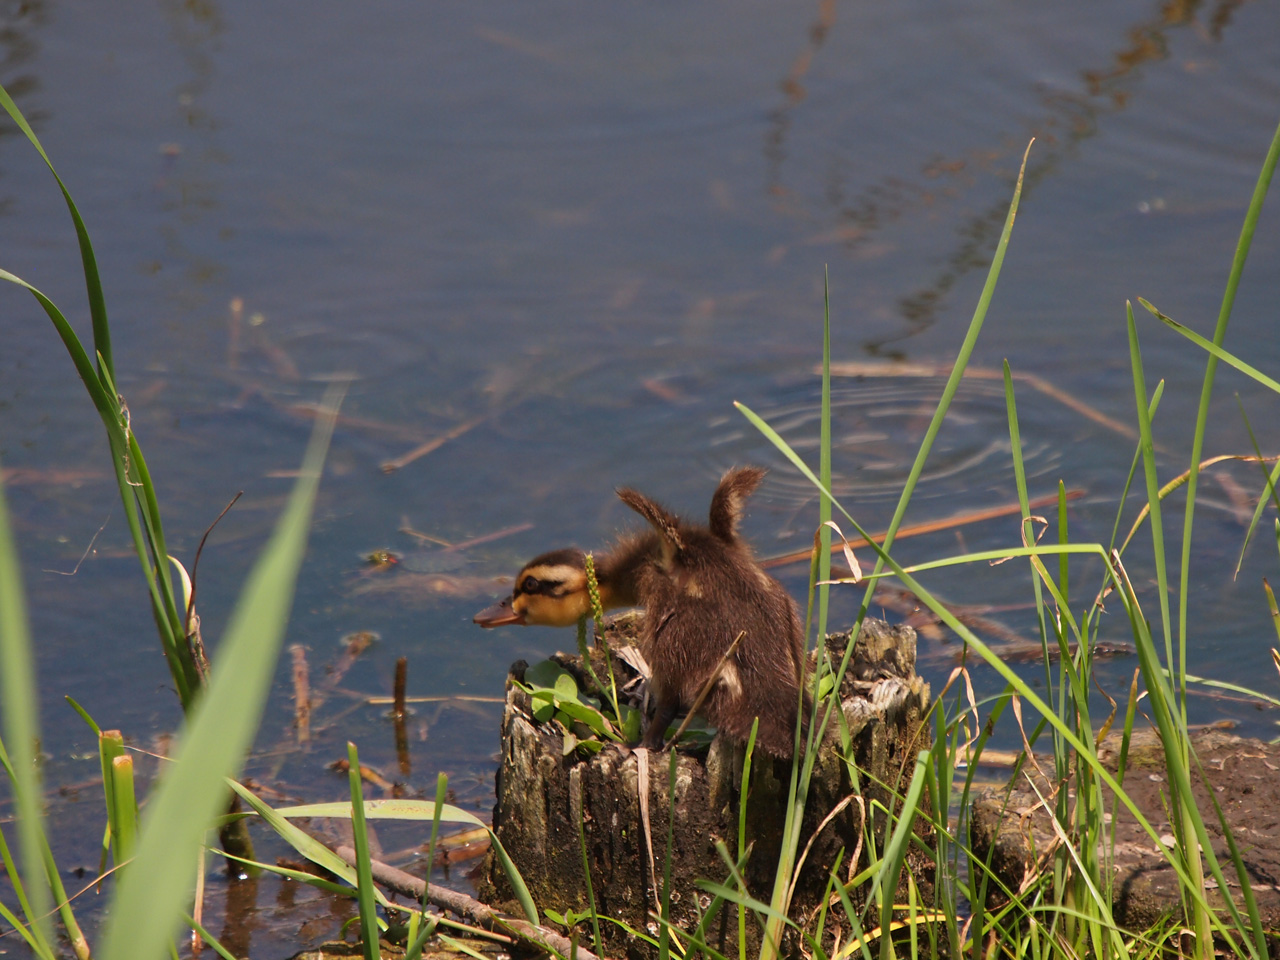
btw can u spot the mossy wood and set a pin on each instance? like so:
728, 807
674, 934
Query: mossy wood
544, 795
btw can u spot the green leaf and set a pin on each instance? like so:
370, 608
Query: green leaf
584, 714
384, 810
566, 687
304, 843
544, 673
543, 706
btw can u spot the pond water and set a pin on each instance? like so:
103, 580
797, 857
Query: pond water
567, 238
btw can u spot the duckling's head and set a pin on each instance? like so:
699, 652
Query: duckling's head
550, 591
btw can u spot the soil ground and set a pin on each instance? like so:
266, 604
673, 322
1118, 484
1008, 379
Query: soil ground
1244, 776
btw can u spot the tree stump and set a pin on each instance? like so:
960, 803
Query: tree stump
544, 797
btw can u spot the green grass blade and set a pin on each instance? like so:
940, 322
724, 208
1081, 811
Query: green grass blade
159, 550
1216, 351
824, 464
591, 894
151, 895
1153, 495
38, 947
93, 284
437, 807
744, 792
364, 869
210, 940
895, 852
124, 808
1259, 944
100, 386
1243, 244
20, 711
104, 402
1271, 597
415, 941
1268, 494
1027, 528
855, 923
79, 945
84, 715
110, 746
392, 809
418, 939
303, 842
523, 896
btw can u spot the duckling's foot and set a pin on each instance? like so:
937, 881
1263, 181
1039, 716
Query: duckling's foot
651, 740
663, 714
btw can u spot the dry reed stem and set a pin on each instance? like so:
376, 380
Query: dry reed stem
929, 526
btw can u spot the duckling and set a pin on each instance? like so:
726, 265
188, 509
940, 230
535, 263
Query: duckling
700, 587
551, 589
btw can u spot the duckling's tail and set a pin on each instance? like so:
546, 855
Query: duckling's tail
730, 497
666, 524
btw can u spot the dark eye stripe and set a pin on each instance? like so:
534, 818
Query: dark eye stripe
547, 588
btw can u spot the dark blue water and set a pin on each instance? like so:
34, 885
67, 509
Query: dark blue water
581, 233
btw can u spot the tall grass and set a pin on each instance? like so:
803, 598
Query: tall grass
137, 491
155, 889
1069, 911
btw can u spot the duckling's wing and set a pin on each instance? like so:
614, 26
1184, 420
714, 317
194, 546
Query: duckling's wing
667, 526
731, 495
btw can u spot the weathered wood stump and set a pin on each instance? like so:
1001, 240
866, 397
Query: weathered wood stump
543, 796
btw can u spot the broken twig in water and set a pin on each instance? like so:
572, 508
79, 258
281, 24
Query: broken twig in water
929, 526
301, 693
391, 466
474, 910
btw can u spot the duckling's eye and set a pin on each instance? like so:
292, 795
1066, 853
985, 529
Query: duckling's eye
530, 585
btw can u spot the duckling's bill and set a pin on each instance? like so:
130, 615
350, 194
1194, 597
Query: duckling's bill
499, 615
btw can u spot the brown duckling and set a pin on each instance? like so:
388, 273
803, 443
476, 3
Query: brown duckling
551, 589
700, 587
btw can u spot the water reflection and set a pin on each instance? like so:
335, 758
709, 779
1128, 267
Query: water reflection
1068, 118
552, 246
20, 22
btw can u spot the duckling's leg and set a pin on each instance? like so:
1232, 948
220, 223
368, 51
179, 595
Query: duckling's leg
668, 705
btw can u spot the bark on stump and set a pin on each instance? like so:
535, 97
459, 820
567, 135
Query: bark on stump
543, 796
